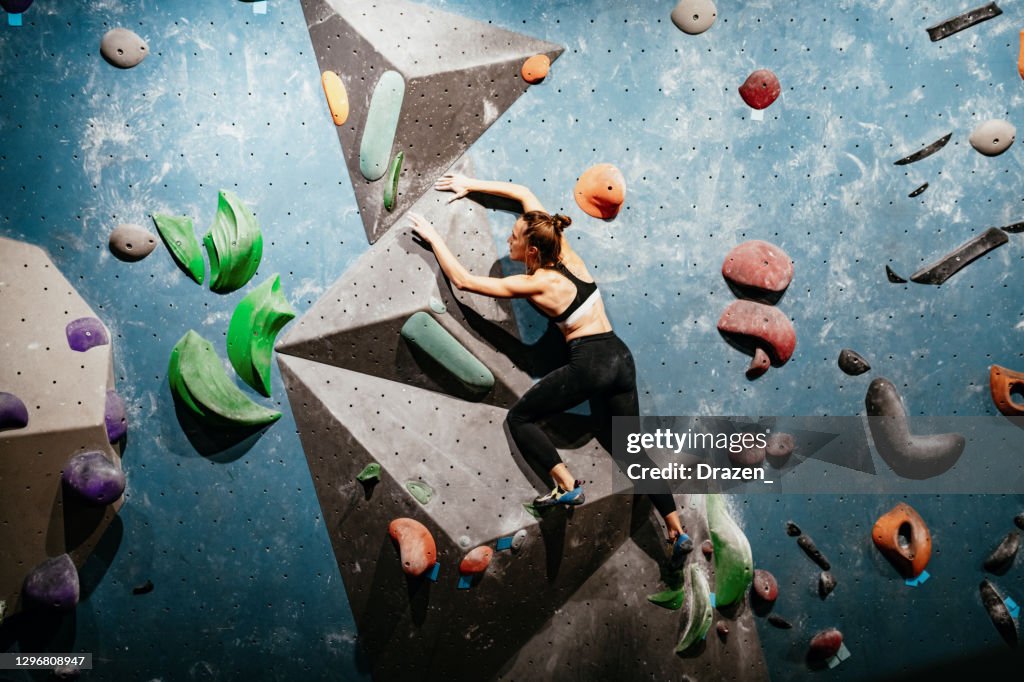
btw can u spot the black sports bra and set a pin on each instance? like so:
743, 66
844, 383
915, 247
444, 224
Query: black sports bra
584, 290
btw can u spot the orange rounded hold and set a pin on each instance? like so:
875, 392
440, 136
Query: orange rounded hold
476, 561
337, 97
601, 190
1020, 56
415, 544
1003, 382
535, 69
902, 536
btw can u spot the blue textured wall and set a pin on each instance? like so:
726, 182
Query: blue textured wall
243, 572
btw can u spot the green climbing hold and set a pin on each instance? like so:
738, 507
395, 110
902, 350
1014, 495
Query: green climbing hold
669, 599
180, 239
734, 564
701, 612
532, 510
234, 244
420, 490
199, 380
370, 472
391, 189
381, 124
424, 332
254, 325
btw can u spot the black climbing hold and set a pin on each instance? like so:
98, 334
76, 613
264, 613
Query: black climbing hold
950, 264
811, 549
1019, 520
893, 277
852, 363
920, 190
962, 21
826, 583
144, 588
926, 152
779, 622
1001, 558
792, 530
998, 612
1013, 229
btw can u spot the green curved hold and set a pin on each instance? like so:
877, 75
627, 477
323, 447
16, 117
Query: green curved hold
370, 472
424, 332
734, 563
669, 599
180, 239
391, 189
198, 378
381, 125
420, 490
701, 611
234, 244
254, 325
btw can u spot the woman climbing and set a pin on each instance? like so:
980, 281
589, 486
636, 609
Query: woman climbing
600, 367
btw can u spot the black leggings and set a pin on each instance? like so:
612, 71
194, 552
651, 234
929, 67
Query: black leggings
600, 370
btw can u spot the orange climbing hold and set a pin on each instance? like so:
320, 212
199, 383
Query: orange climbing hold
337, 97
1020, 56
601, 190
902, 536
415, 544
1003, 383
476, 561
535, 69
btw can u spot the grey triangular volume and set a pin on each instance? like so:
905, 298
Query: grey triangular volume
460, 76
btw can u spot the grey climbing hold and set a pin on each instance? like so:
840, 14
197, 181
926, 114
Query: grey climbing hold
381, 125
812, 551
694, 16
420, 490
910, 456
998, 612
123, 48
926, 152
114, 417
464, 541
130, 242
960, 22
826, 583
1018, 520
792, 530
917, 192
893, 277
13, 413
518, 540
85, 333
53, 584
965, 254
94, 478
1001, 558
779, 622
437, 305
852, 363
994, 137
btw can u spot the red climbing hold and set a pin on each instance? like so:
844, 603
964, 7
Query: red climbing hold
476, 561
760, 89
758, 265
766, 325
825, 645
415, 544
764, 586
759, 364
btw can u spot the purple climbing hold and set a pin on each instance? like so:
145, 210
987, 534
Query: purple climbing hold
13, 413
95, 478
86, 332
114, 417
53, 584
15, 6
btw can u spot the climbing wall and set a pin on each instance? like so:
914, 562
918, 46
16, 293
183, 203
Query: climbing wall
224, 549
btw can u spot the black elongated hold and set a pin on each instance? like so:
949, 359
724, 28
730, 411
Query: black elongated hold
926, 152
811, 549
962, 21
998, 612
1001, 558
893, 277
910, 456
144, 588
792, 530
1019, 520
826, 583
852, 363
955, 261
1013, 229
780, 622
920, 190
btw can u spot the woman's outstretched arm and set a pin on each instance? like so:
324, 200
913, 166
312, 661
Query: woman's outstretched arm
463, 185
515, 286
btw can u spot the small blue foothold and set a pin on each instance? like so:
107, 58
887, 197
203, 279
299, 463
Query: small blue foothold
504, 543
1012, 607
465, 582
919, 580
14, 20
432, 575
259, 7
712, 600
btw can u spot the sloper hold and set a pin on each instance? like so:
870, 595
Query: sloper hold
535, 69
197, 377
1002, 383
381, 125
422, 331
825, 645
701, 613
902, 537
953, 262
123, 48
761, 88
53, 584
421, 491
234, 244
694, 16
130, 242
764, 324
1001, 558
337, 97
476, 561
15, 6
910, 456
1020, 56
254, 325
600, 191
94, 478
115, 418
993, 137
758, 266
851, 362
13, 413
734, 563
85, 333
925, 152
960, 22
415, 545
764, 586
998, 612
180, 240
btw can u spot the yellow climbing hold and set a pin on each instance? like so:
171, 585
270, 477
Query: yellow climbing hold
337, 97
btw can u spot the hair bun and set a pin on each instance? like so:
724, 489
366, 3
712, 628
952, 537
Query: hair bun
561, 221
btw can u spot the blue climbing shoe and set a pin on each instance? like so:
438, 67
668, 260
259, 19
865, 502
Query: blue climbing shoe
682, 546
559, 496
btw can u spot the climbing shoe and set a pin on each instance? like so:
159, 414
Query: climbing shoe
561, 496
682, 546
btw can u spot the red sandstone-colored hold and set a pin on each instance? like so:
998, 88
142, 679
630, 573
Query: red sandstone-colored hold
765, 587
758, 265
763, 323
415, 544
1003, 382
911, 555
760, 89
759, 364
825, 645
707, 548
476, 561
535, 69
